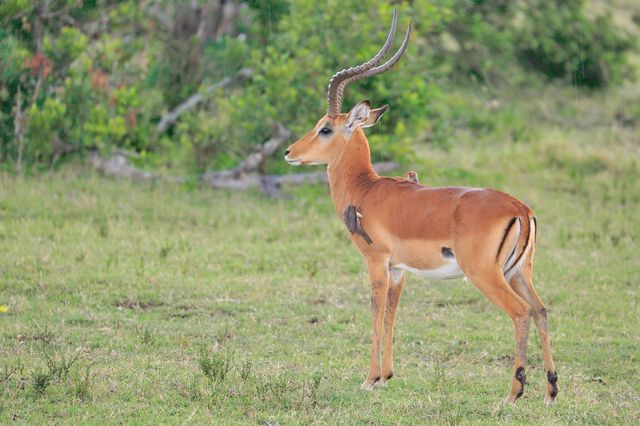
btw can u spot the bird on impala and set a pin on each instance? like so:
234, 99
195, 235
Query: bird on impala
412, 176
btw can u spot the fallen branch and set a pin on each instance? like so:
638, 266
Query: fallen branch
118, 165
318, 177
243, 177
169, 118
246, 173
271, 184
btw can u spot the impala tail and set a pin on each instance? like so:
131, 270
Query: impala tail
512, 256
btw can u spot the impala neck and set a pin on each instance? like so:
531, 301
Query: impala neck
351, 174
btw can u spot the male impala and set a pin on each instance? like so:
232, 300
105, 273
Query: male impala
486, 235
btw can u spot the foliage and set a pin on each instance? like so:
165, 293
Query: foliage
547, 42
554, 38
100, 75
475, 38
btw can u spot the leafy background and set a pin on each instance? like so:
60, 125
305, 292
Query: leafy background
77, 76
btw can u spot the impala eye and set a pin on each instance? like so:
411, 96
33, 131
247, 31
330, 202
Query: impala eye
325, 131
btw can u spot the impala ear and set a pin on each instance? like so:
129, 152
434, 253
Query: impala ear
374, 116
358, 115
363, 116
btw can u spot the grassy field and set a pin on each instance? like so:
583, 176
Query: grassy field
154, 303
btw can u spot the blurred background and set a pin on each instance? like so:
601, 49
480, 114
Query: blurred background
80, 76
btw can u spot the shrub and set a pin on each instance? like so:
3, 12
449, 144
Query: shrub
559, 41
88, 87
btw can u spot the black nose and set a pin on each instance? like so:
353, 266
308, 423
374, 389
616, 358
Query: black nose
287, 151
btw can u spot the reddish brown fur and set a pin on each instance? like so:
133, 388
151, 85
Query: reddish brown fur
410, 224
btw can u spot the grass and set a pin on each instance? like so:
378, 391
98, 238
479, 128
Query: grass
153, 303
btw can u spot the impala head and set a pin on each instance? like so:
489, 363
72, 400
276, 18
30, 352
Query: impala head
333, 131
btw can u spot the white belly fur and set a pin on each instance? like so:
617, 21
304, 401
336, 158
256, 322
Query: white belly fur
450, 270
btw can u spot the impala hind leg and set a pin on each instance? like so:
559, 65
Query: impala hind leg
495, 287
522, 283
379, 276
396, 282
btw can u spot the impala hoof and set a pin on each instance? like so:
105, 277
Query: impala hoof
552, 388
384, 379
366, 386
369, 384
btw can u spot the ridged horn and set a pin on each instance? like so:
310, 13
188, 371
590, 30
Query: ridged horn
334, 93
379, 69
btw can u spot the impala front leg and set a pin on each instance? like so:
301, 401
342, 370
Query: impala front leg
379, 276
396, 282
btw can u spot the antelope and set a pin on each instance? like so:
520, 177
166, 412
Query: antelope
482, 234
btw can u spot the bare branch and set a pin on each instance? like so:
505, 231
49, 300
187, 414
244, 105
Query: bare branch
245, 174
256, 159
318, 177
169, 118
270, 184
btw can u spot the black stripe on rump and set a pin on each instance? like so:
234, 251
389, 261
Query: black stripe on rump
535, 231
524, 248
504, 237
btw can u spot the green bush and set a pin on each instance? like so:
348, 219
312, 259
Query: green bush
559, 41
46, 127
486, 39
87, 85
475, 38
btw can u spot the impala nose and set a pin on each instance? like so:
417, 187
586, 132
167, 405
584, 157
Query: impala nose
286, 152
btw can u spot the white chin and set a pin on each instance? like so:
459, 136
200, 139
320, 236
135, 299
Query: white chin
294, 162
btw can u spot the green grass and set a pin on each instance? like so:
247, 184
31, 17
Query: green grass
153, 303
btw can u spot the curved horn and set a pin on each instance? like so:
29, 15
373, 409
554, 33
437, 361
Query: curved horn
334, 95
377, 70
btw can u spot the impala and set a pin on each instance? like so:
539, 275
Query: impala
482, 234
